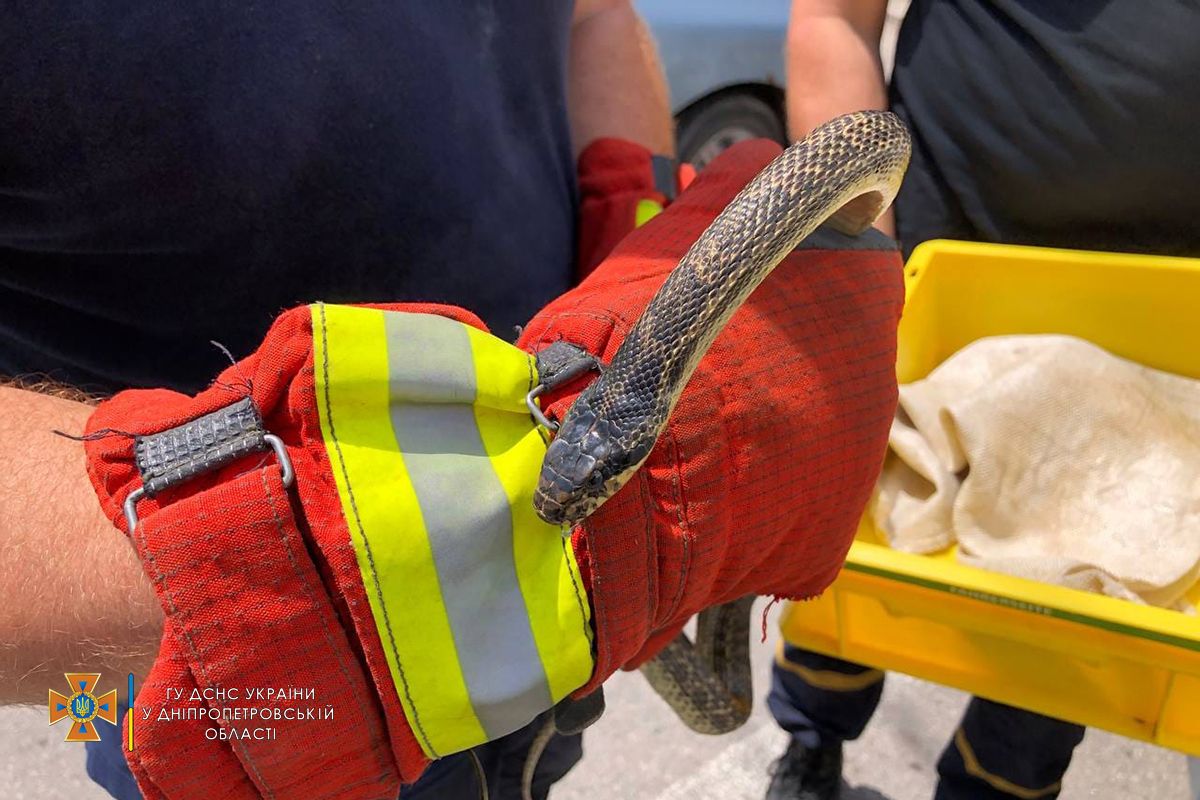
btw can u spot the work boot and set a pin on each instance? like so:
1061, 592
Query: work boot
802, 773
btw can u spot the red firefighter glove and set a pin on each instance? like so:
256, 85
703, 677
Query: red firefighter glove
621, 185
341, 534
758, 481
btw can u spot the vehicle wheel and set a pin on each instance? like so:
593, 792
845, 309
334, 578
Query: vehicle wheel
709, 126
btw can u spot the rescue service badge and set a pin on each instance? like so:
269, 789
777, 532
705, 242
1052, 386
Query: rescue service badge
83, 707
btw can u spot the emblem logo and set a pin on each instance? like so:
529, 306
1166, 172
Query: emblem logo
83, 707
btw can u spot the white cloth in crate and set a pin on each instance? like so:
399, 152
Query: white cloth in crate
1050, 458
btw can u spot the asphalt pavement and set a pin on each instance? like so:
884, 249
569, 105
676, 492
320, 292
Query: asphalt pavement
639, 750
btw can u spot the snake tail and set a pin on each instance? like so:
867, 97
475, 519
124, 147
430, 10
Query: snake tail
717, 699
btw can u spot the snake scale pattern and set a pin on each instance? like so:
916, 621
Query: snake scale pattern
847, 171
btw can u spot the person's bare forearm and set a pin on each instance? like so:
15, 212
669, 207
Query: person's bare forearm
833, 61
616, 85
73, 597
833, 65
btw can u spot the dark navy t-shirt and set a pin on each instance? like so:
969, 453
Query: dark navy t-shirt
176, 173
1068, 123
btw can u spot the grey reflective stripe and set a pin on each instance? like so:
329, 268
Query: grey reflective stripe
468, 522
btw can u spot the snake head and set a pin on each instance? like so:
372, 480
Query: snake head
584, 465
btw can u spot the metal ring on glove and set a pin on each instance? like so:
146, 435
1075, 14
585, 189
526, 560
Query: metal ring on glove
281, 454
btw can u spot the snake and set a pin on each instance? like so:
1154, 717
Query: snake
844, 173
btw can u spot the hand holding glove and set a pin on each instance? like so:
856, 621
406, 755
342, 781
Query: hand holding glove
401, 587
757, 484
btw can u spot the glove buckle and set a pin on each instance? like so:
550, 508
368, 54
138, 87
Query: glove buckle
176, 455
557, 365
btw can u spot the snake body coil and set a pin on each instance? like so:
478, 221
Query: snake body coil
846, 171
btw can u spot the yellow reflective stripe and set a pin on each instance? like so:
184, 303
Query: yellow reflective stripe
549, 578
503, 374
646, 210
827, 679
386, 527
975, 769
478, 603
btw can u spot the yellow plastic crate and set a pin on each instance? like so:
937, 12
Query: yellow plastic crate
1096, 660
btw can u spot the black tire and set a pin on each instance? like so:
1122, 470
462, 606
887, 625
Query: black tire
709, 126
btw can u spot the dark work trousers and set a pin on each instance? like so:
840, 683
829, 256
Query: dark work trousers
450, 778
455, 777
998, 752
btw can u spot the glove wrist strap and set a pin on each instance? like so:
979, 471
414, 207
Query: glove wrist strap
257, 673
176, 455
254, 668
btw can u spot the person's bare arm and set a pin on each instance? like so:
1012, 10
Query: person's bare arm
616, 85
73, 597
833, 65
